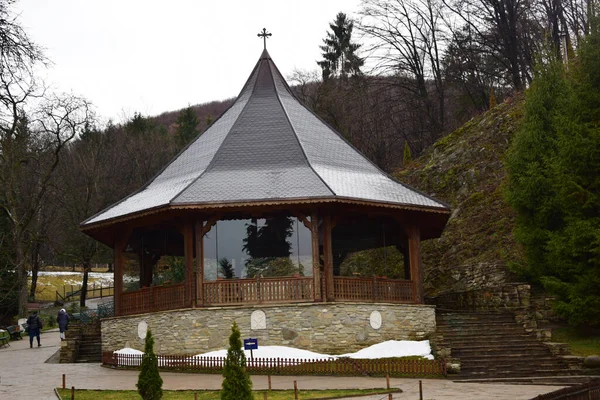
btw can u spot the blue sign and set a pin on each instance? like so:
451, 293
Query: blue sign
251, 344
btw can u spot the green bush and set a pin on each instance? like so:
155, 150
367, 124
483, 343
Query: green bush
149, 381
236, 383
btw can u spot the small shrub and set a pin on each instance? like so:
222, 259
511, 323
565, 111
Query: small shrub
236, 383
149, 381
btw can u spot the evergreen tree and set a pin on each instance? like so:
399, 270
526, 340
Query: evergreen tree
554, 170
339, 53
407, 158
237, 384
149, 382
187, 124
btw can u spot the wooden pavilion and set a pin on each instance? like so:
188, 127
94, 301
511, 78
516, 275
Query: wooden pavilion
269, 205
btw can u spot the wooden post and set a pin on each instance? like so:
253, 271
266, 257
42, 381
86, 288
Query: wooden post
420, 390
199, 227
188, 251
387, 380
328, 258
269, 378
64, 381
316, 261
416, 269
295, 390
72, 392
120, 244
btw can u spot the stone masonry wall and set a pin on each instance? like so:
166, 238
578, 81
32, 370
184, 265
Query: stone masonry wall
333, 328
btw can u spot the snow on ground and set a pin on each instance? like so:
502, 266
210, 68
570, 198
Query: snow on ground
76, 278
391, 348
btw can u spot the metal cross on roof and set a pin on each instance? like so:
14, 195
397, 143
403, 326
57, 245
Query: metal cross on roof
264, 34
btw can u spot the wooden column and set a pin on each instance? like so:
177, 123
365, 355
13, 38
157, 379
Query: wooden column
120, 243
316, 261
188, 252
416, 268
328, 258
199, 228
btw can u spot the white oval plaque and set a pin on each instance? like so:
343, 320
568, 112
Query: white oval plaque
258, 320
375, 320
142, 329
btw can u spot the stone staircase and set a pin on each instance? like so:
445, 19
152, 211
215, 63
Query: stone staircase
90, 348
83, 344
493, 345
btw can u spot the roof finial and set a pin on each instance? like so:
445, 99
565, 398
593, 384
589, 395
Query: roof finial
264, 34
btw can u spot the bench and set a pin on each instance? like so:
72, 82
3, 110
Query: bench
14, 331
33, 307
4, 338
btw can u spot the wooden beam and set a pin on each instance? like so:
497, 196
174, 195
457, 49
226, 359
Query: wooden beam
416, 268
328, 258
188, 252
316, 260
199, 264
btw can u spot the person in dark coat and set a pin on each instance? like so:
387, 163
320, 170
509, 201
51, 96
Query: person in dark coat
63, 322
34, 325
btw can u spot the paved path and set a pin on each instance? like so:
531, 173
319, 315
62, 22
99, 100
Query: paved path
23, 371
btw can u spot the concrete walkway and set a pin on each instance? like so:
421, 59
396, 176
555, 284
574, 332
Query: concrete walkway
24, 372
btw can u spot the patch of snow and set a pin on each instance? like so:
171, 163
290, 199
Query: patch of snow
394, 348
390, 348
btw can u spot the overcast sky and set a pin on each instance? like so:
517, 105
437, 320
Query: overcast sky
153, 56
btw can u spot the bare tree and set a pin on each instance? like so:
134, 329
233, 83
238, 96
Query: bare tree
407, 41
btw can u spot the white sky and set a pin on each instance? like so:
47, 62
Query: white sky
153, 56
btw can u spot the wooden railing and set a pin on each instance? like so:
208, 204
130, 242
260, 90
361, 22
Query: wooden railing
156, 298
258, 291
289, 366
73, 292
372, 289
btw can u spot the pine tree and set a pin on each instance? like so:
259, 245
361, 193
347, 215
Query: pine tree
339, 53
237, 384
187, 124
554, 171
149, 382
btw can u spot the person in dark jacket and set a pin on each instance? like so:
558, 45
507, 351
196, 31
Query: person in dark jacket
34, 325
63, 322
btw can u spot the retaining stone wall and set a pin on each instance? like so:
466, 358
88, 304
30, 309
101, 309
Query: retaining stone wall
333, 328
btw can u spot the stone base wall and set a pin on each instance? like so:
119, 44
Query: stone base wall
332, 328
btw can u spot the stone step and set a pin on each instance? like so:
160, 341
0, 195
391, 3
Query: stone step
516, 362
494, 373
521, 350
466, 341
488, 331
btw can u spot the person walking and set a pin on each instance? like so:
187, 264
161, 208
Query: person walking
34, 325
63, 322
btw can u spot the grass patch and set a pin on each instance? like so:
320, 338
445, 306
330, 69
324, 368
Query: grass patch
216, 394
582, 342
48, 285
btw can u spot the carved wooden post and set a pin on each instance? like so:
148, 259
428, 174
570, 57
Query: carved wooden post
188, 252
416, 268
316, 261
199, 228
328, 258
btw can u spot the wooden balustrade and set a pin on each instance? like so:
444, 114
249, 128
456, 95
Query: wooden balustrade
372, 289
155, 298
259, 290
265, 291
